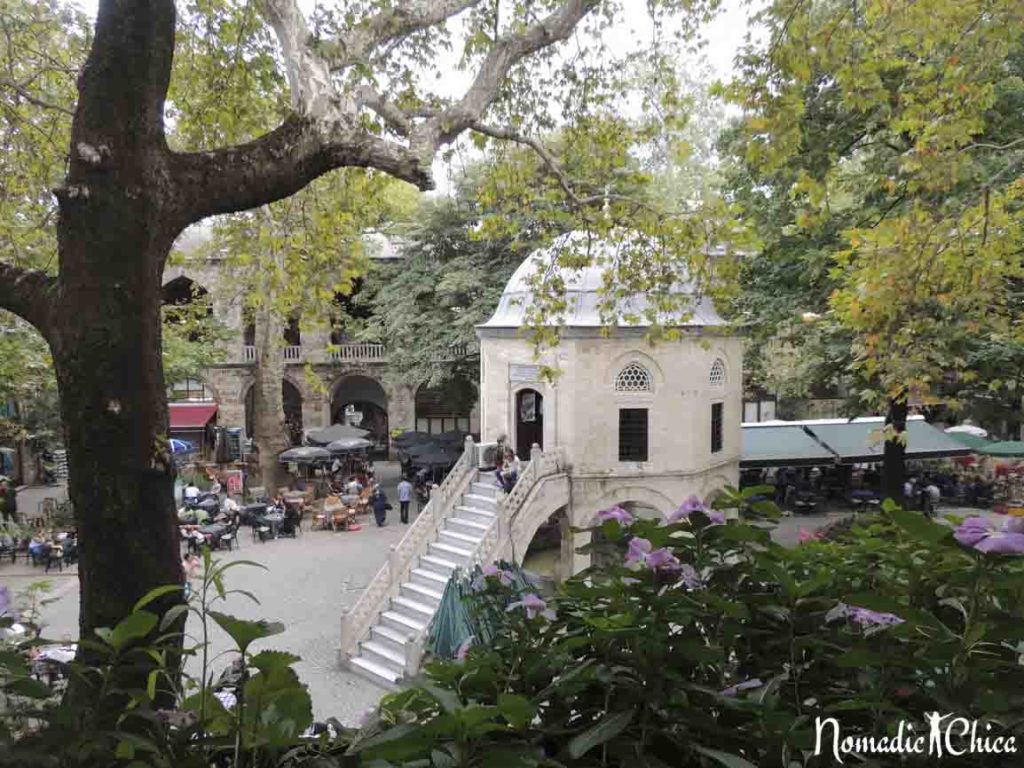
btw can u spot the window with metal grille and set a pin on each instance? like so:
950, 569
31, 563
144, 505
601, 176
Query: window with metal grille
633, 378
717, 376
632, 434
189, 389
716, 427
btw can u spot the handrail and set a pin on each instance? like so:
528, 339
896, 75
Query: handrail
358, 619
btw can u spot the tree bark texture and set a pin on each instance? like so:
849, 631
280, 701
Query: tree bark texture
894, 467
268, 401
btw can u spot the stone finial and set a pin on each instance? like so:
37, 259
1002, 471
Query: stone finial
535, 452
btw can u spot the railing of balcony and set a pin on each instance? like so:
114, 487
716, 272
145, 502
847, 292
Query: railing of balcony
358, 352
293, 353
249, 353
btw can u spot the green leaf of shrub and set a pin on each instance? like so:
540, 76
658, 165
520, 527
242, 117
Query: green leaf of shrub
725, 758
605, 729
244, 632
132, 627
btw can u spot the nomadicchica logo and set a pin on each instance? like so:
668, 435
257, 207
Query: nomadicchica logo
937, 737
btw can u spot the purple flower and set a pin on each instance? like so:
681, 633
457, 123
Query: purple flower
694, 504
981, 534
463, 649
638, 550
863, 616
746, 685
689, 577
621, 516
640, 553
494, 572
534, 606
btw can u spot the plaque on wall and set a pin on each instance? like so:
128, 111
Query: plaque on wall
518, 372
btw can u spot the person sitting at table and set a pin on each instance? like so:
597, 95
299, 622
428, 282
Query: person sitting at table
278, 505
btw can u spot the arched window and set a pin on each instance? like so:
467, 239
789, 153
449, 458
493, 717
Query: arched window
717, 376
633, 378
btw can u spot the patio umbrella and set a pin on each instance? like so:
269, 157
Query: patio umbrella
334, 432
181, 446
349, 445
455, 438
419, 449
304, 454
412, 438
970, 440
433, 459
967, 429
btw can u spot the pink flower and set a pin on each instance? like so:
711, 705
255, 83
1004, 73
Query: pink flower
981, 534
621, 516
806, 535
661, 558
534, 606
638, 550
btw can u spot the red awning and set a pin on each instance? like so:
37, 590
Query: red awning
191, 415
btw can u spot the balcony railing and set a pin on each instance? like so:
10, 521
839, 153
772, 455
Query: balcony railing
249, 353
293, 354
358, 352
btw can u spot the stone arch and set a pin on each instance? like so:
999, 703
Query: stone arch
550, 495
549, 552
366, 395
644, 360
713, 486
626, 494
182, 290
293, 395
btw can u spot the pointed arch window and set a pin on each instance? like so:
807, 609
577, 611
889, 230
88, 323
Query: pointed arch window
717, 376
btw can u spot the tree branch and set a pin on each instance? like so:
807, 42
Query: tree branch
507, 134
507, 51
28, 293
393, 25
388, 111
281, 163
34, 100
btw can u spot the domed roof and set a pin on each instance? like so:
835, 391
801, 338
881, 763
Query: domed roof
582, 290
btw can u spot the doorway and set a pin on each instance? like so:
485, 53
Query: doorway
529, 422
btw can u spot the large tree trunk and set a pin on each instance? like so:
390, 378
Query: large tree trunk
894, 459
268, 401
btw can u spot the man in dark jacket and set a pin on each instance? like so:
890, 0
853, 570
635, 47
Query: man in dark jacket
8, 501
380, 507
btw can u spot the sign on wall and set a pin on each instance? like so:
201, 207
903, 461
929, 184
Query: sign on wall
523, 373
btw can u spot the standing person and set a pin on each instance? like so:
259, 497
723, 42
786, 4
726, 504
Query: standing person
380, 507
404, 497
9, 500
932, 496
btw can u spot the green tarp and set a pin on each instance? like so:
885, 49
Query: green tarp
778, 446
974, 442
466, 611
860, 442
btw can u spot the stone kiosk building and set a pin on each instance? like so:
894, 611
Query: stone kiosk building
637, 424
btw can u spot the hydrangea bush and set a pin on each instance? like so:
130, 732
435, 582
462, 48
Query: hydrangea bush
703, 643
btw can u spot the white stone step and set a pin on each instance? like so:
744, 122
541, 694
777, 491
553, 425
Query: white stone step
415, 591
483, 515
467, 525
402, 622
458, 538
459, 555
441, 565
389, 637
384, 675
415, 609
483, 502
484, 489
428, 578
382, 654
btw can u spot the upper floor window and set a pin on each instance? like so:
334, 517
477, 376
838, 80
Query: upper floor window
189, 389
633, 378
717, 376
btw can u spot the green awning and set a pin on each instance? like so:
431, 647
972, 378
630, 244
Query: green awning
860, 442
1005, 448
782, 446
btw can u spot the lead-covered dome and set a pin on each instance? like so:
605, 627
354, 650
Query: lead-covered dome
583, 295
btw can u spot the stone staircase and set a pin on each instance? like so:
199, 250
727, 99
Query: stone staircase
383, 655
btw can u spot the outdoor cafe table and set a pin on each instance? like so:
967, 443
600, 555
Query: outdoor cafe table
213, 532
274, 520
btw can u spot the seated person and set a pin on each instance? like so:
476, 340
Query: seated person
277, 505
190, 494
229, 511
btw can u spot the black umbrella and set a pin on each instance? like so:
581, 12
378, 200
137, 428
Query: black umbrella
452, 438
419, 449
434, 459
304, 454
334, 432
349, 445
412, 438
